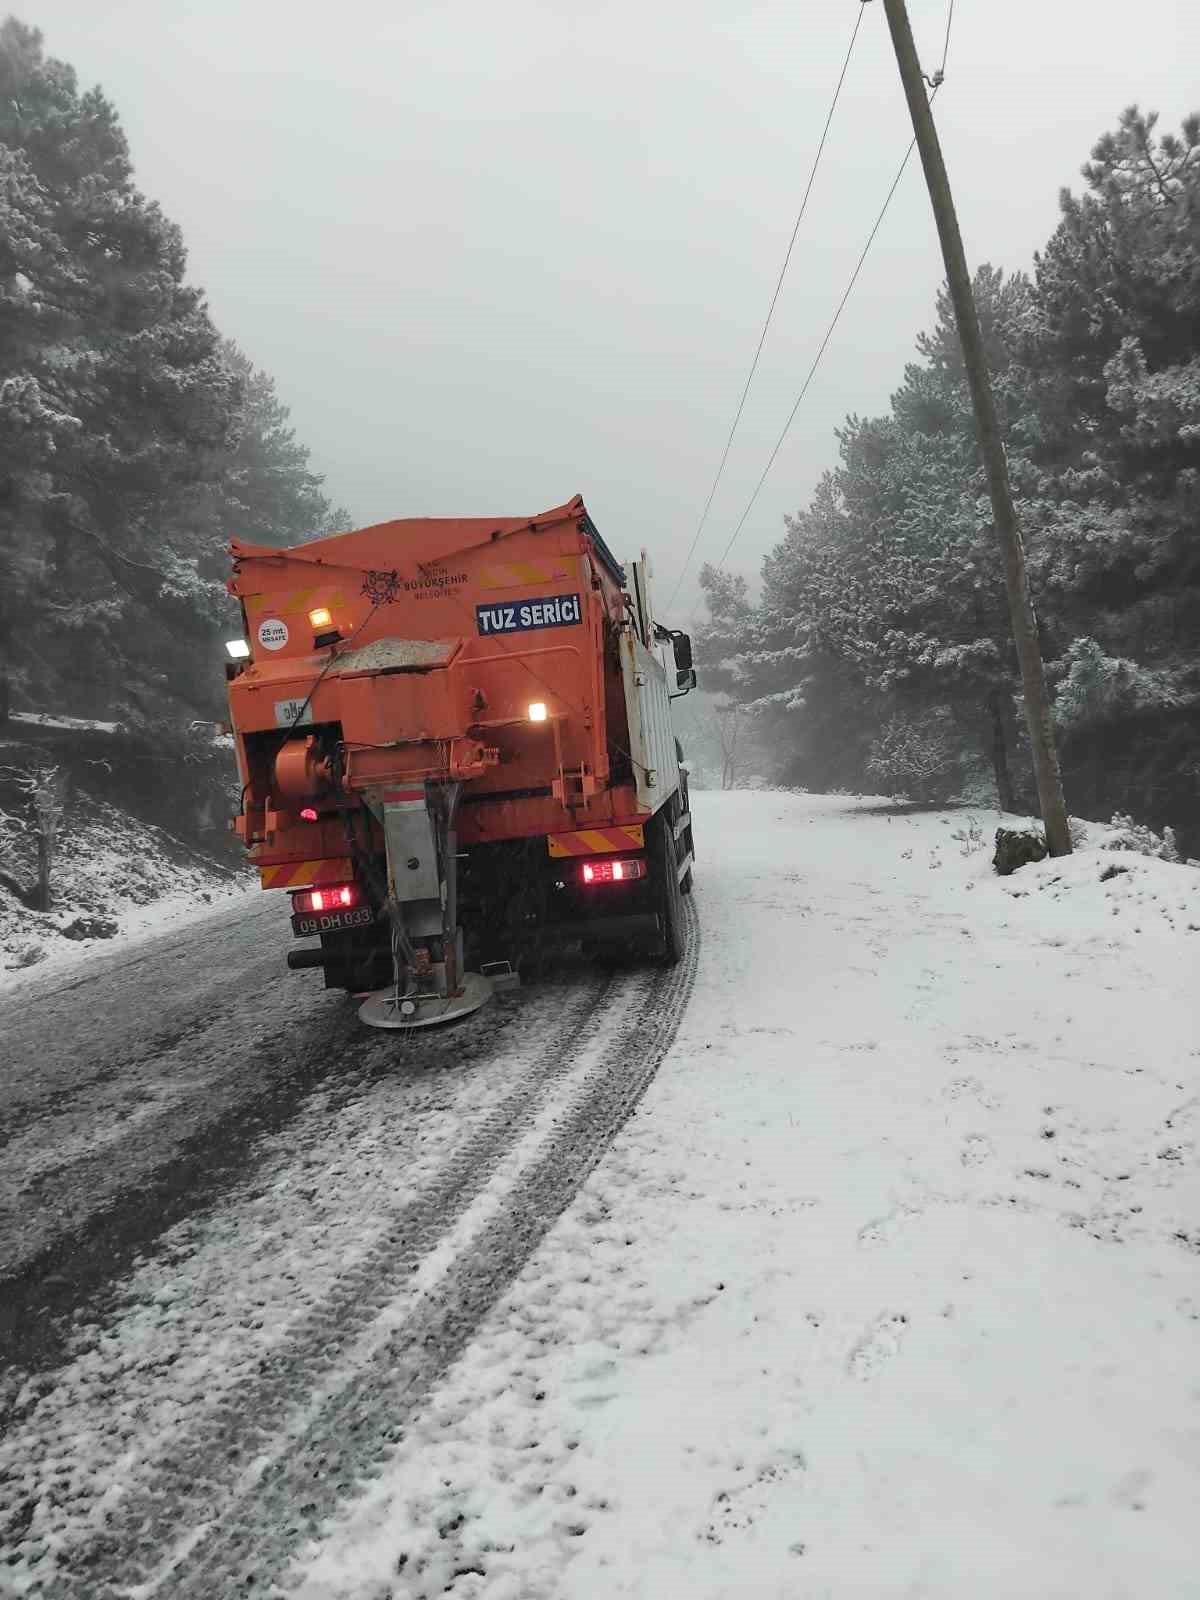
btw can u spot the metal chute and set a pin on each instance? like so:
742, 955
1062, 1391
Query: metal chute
428, 981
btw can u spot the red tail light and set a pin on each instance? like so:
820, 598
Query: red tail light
334, 897
309, 814
612, 871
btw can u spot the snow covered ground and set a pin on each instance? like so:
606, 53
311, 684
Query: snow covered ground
117, 881
42, 719
888, 1288
891, 1285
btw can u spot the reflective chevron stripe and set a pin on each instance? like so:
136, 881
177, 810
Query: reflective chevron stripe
305, 874
595, 841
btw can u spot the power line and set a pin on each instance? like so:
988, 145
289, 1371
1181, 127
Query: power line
829, 332
946, 41
741, 406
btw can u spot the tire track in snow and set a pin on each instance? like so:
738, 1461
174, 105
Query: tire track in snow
206, 1455
117, 1409
94, 1216
102, 1165
229, 1508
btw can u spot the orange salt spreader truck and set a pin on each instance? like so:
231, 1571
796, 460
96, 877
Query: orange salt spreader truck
455, 746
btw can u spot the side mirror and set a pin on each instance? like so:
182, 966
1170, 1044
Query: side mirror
685, 680
683, 653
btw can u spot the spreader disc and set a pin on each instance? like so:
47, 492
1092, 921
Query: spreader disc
380, 1010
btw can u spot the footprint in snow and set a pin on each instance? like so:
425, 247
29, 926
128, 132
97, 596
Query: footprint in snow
592, 1402
877, 1346
882, 1230
977, 1148
736, 1510
972, 1089
1131, 1490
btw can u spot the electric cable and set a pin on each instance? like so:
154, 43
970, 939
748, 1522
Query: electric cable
941, 72
829, 332
741, 406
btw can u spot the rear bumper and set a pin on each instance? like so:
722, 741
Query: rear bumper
607, 930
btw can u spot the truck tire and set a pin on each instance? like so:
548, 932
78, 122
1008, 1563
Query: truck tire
668, 898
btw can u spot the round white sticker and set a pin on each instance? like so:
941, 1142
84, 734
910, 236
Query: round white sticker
273, 633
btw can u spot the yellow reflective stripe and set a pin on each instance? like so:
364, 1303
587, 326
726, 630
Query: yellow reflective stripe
302, 599
596, 841
508, 574
299, 873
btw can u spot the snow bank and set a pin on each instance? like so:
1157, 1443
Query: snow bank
1144, 895
116, 880
42, 719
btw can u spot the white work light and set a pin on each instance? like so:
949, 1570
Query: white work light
537, 712
238, 649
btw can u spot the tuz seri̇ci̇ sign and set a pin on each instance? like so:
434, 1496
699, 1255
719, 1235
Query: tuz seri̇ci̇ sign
560, 611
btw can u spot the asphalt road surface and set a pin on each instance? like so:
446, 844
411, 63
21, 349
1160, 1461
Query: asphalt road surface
242, 1238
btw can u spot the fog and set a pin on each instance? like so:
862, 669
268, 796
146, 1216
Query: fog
494, 255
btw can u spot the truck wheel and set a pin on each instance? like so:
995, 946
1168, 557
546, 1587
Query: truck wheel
668, 898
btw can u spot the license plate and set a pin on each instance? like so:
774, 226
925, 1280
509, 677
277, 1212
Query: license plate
304, 927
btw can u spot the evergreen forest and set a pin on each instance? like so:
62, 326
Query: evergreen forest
134, 438
878, 656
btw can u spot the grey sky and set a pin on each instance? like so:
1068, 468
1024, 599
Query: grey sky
497, 253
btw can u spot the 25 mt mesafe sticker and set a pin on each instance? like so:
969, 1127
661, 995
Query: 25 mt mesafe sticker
272, 633
522, 616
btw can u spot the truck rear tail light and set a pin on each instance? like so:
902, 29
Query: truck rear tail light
333, 897
612, 871
309, 814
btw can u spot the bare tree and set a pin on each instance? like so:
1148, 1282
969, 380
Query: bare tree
39, 822
916, 756
730, 721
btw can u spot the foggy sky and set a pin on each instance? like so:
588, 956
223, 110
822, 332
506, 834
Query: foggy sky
495, 254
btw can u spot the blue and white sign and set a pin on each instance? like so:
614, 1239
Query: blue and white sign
522, 616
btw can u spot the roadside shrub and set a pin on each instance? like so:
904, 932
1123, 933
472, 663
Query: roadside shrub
1141, 839
916, 757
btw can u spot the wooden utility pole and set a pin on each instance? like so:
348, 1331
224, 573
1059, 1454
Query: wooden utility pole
1024, 622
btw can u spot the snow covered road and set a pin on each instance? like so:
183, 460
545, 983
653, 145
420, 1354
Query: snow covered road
379, 1195
888, 1288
